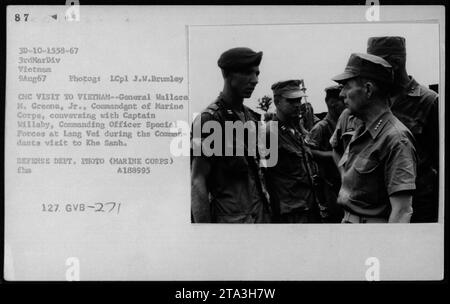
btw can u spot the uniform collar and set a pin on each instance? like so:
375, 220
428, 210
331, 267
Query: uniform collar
378, 124
330, 121
283, 126
229, 110
225, 105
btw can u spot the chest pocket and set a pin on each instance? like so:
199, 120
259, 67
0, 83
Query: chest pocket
366, 185
291, 143
291, 164
366, 165
293, 157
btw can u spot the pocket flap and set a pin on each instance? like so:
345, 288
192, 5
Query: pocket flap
366, 165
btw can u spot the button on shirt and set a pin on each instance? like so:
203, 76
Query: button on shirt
380, 160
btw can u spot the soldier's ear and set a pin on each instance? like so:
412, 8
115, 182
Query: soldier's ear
370, 87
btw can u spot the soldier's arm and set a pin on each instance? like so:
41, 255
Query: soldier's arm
336, 139
201, 209
401, 203
200, 169
400, 175
322, 154
336, 156
314, 141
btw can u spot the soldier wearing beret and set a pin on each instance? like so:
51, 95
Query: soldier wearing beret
291, 180
319, 142
378, 166
416, 107
230, 189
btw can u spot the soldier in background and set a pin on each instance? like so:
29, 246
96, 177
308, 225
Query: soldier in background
307, 117
416, 107
291, 182
319, 142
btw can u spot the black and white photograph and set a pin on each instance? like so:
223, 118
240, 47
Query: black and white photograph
358, 135
135, 135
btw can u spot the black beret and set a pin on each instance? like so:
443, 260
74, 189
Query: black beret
239, 58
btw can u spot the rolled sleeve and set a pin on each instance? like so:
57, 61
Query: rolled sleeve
400, 167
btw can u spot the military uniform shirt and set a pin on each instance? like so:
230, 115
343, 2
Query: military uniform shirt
289, 180
235, 183
417, 109
319, 139
321, 133
380, 160
344, 131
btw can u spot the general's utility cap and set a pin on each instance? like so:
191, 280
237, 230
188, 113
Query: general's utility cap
240, 58
288, 89
387, 45
368, 66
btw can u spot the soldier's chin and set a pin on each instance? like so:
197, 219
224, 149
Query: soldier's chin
248, 94
352, 112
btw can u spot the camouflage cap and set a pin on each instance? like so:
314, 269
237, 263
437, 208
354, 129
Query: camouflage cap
239, 58
366, 65
288, 89
387, 45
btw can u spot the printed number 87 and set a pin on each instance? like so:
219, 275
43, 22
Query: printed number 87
17, 17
